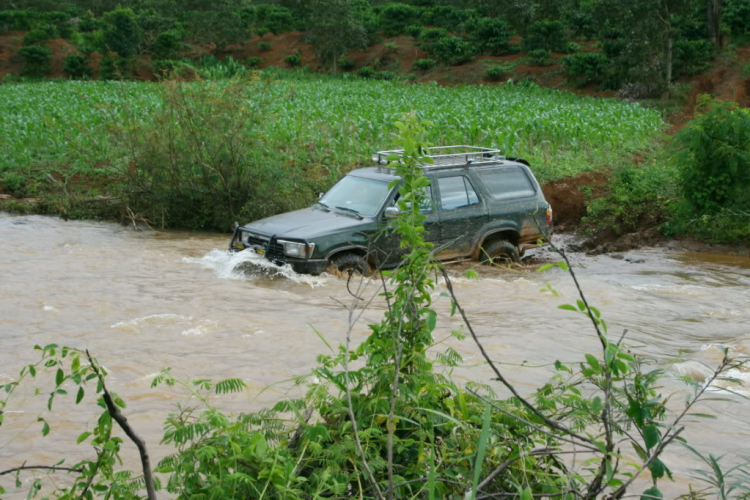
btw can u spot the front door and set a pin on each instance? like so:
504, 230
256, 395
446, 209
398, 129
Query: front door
388, 242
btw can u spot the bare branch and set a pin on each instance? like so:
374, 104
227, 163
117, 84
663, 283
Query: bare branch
53, 468
549, 422
122, 421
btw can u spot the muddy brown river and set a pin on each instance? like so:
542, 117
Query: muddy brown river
142, 301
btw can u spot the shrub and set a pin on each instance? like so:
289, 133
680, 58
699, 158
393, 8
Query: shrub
451, 50
294, 60
167, 44
586, 67
715, 166
40, 35
15, 20
211, 68
163, 68
433, 34
35, 60
391, 48
365, 72
424, 64
736, 17
254, 62
691, 56
121, 32
500, 71
446, 16
274, 18
414, 31
114, 67
77, 66
549, 35
540, 57
345, 63
491, 36
264, 46
572, 48
395, 17
262, 31
385, 75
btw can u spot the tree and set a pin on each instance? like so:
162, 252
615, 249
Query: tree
713, 22
645, 37
334, 28
219, 22
121, 32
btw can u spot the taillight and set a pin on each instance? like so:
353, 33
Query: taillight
549, 215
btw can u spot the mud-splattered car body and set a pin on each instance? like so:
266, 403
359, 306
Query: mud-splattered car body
482, 206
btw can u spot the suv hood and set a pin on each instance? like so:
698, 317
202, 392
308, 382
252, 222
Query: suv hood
306, 224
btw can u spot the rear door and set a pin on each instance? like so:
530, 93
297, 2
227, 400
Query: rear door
462, 212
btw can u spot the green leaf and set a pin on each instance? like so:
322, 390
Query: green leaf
526, 493
545, 267
79, 396
482, 446
651, 436
59, 377
82, 437
431, 320
76, 364
32, 370
652, 494
596, 405
581, 305
567, 307
657, 469
593, 362
45, 427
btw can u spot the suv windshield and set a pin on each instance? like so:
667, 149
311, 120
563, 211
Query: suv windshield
356, 194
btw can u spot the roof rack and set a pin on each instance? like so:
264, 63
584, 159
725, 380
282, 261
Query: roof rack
447, 156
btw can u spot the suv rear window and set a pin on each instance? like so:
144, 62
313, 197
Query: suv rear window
506, 182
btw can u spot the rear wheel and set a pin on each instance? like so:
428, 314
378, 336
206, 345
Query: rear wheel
499, 252
351, 263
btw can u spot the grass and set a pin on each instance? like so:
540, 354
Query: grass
63, 129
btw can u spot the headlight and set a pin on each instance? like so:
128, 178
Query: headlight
298, 250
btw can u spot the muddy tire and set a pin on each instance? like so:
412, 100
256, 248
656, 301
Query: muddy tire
351, 263
499, 252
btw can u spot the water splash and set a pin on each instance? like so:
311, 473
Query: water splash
249, 265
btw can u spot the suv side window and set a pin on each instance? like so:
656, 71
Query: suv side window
456, 192
506, 182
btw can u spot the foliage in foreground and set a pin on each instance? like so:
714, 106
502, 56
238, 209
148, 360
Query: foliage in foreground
396, 425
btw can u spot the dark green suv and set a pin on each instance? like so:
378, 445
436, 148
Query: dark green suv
483, 206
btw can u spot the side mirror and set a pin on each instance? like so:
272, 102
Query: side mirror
320, 195
391, 212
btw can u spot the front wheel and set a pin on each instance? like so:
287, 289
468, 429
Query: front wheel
351, 263
499, 252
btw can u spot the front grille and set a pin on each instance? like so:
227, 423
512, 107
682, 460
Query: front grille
274, 250
255, 240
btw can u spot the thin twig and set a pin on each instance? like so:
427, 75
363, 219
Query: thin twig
355, 431
550, 423
532, 425
53, 468
122, 421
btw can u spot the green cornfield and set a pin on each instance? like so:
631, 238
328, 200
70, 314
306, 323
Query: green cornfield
342, 122
62, 137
